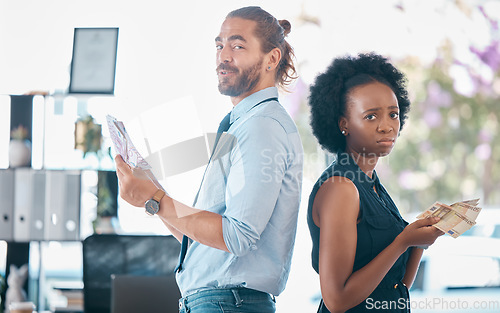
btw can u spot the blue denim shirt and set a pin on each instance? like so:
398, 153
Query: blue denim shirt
254, 181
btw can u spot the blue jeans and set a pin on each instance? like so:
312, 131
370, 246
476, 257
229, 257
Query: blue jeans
242, 300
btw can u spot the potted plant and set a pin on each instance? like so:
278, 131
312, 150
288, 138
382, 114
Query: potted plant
88, 135
107, 205
19, 147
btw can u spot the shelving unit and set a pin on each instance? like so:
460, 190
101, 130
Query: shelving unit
44, 206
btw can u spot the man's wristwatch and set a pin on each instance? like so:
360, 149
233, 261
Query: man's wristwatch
153, 204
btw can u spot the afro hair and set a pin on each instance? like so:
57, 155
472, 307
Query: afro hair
330, 91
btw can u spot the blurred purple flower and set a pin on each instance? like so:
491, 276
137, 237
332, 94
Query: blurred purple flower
490, 55
432, 118
493, 22
291, 101
485, 136
425, 147
436, 96
483, 151
405, 179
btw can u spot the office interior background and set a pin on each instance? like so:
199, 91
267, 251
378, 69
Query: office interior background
165, 78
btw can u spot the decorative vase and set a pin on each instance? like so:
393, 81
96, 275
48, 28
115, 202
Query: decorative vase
19, 153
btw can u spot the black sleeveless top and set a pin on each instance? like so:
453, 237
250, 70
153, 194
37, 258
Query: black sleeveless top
379, 224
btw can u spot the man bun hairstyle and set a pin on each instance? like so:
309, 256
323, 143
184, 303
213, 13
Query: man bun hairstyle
271, 33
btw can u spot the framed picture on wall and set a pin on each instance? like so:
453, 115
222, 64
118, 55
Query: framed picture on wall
94, 61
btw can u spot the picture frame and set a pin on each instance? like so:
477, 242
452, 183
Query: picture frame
93, 63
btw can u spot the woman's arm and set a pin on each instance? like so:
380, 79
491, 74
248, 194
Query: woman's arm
412, 266
335, 210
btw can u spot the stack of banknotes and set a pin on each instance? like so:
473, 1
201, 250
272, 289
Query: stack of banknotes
123, 146
455, 219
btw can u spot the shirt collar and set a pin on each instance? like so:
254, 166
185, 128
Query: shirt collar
346, 160
249, 102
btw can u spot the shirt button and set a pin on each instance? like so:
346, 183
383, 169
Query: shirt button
395, 286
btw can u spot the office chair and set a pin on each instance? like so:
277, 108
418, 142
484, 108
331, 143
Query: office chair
107, 254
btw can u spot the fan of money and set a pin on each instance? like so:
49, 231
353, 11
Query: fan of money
455, 219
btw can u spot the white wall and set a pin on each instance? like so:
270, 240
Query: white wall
166, 49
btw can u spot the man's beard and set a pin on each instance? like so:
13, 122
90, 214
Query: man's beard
244, 82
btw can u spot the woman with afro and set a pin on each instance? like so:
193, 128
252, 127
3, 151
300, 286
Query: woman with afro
366, 254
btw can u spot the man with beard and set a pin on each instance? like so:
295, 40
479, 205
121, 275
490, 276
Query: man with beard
238, 237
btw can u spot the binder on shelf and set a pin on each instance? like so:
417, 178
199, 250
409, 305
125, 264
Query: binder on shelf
72, 201
62, 205
37, 220
7, 205
23, 198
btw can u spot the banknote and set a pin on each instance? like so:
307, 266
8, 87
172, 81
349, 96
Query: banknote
123, 144
473, 202
466, 209
125, 148
455, 219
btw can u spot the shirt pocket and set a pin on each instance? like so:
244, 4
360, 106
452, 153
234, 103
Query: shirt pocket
382, 230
